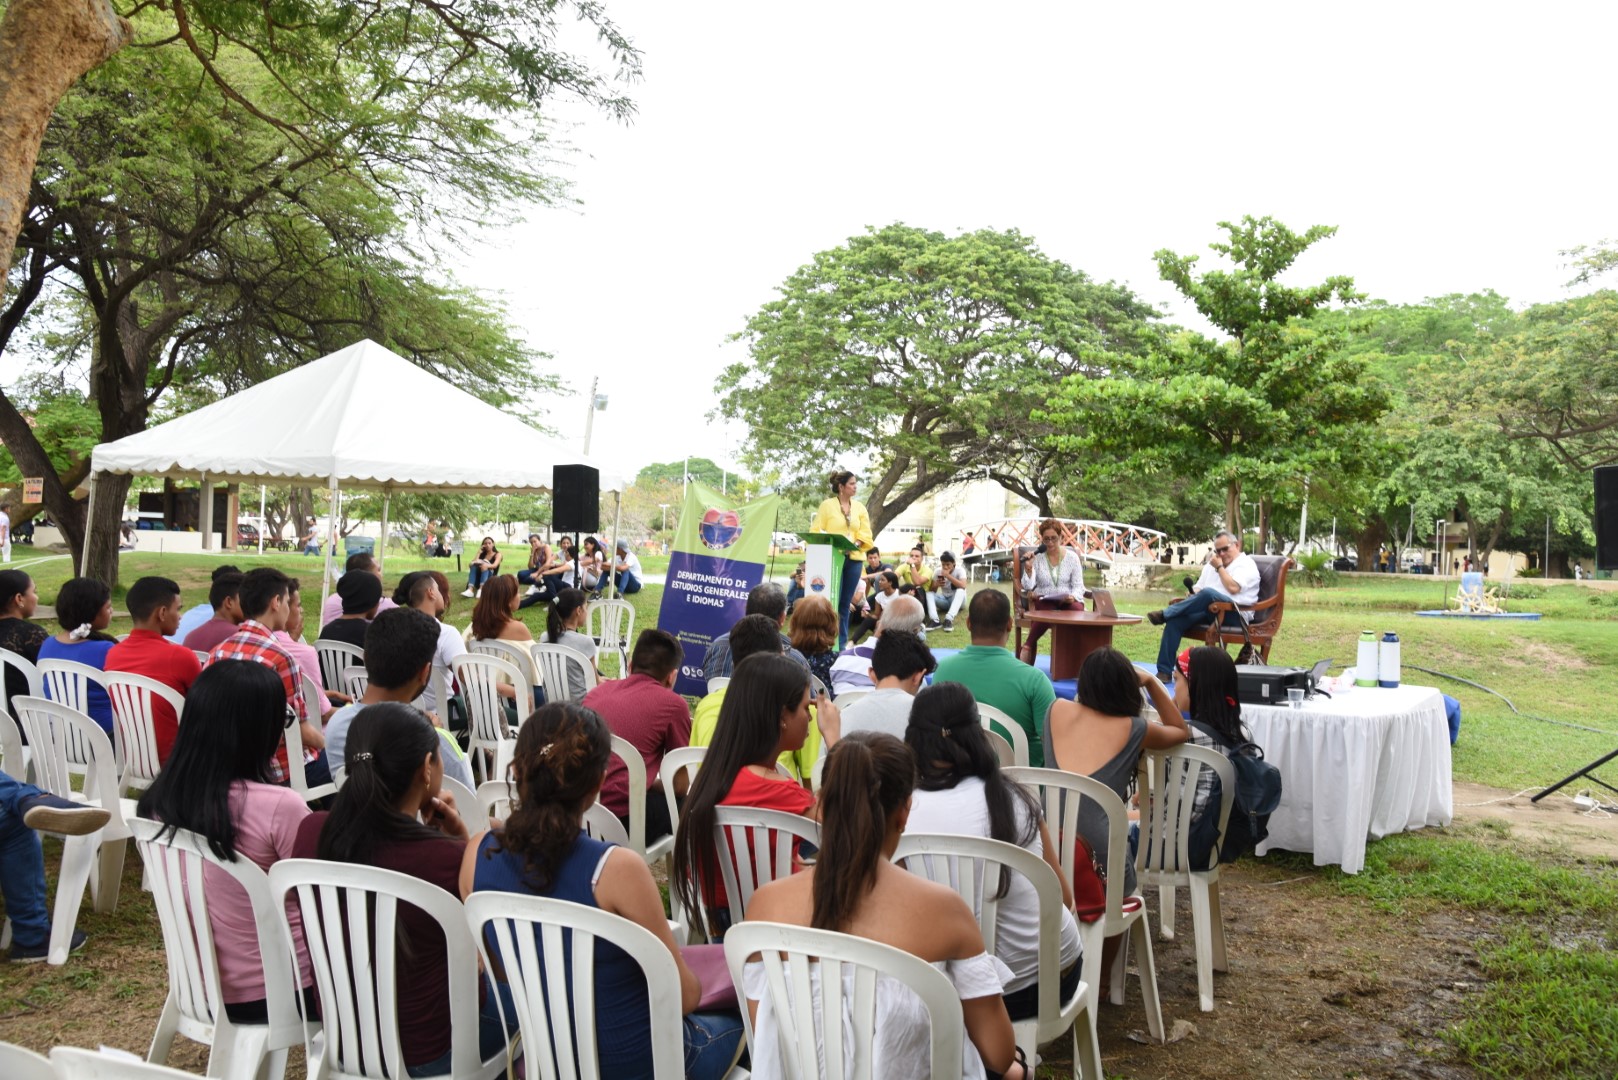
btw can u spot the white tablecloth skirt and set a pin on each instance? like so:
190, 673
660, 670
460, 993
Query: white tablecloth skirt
1362, 765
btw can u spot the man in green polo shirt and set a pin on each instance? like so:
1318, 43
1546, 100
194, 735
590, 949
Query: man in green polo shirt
995, 676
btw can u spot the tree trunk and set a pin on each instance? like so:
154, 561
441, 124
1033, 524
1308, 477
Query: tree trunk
100, 559
45, 46
1263, 542
1369, 540
1233, 507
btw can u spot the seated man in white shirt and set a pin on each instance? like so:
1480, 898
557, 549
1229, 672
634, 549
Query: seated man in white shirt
626, 570
852, 668
900, 663
1229, 575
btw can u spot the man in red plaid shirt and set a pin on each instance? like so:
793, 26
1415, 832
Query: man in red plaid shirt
265, 602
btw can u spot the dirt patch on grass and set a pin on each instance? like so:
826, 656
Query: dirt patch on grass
1540, 656
1555, 821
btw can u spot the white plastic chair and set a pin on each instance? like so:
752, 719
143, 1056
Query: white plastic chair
817, 689
849, 697
514, 653
68, 682
355, 679
202, 656
661, 848
554, 662
350, 916
1060, 793
17, 1063
334, 656
1162, 858
828, 1003
756, 846
555, 1002
718, 683
67, 742
13, 754
466, 800
603, 825
195, 1005
480, 677
71, 1063
16, 767
134, 731
1009, 730
971, 866
611, 625
292, 736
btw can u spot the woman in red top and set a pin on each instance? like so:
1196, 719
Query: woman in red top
766, 713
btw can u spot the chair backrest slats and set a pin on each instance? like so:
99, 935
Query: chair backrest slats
555, 662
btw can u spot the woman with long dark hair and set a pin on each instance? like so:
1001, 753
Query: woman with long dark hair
84, 609
18, 599
1216, 711
854, 888
216, 783
847, 517
961, 791
766, 713
484, 567
391, 813
559, 763
567, 615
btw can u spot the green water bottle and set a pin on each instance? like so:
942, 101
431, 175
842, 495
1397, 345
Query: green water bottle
1365, 667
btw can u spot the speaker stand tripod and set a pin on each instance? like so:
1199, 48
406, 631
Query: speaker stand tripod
1589, 772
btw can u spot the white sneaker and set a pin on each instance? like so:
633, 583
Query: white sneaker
469, 593
533, 590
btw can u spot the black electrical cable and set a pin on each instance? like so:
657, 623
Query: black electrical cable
1512, 707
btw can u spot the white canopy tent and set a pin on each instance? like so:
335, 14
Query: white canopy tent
362, 417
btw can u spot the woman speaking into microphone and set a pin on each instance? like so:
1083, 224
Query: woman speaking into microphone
845, 517
1055, 577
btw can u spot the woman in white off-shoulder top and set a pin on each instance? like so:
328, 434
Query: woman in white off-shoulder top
855, 888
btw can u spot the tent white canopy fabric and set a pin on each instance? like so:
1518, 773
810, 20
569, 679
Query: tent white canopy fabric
361, 417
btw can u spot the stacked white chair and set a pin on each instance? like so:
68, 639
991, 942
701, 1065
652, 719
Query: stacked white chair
350, 916
789, 953
971, 866
1059, 793
195, 1004
1162, 859
66, 743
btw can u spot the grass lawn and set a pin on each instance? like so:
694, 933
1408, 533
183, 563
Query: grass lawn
1546, 920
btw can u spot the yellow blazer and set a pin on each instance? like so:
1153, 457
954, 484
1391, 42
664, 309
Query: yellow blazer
856, 526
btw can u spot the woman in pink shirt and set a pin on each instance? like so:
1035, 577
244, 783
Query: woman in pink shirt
215, 784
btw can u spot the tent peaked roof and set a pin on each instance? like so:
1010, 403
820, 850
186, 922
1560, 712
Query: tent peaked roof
363, 415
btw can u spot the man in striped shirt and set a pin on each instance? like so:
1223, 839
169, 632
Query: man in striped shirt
266, 605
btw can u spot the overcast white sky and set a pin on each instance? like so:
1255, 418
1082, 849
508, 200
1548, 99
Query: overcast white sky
1457, 146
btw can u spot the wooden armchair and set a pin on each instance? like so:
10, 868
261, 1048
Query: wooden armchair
1266, 612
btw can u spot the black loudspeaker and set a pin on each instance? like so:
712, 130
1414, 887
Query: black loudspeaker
1607, 518
575, 498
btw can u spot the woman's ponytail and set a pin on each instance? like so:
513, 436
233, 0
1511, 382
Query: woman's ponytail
869, 777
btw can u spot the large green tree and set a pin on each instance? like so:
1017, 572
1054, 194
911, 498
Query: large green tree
253, 185
1274, 402
923, 356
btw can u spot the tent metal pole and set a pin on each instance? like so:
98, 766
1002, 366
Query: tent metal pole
205, 513
617, 520
89, 523
382, 541
261, 497
331, 543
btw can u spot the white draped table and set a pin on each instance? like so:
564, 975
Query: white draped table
1362, 765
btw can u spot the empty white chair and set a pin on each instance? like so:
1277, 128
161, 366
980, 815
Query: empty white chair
17, 1063
1161, 859
1060, 793
998, 722
611, 625
559, 667
804, 998
480, 677
134, 729
662, 847
66, 742
555, 1002
72, 1063
350, 916
334, 657
755, 847
971, 866
195, 1006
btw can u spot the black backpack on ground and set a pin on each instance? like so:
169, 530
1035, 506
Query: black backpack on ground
1258, 793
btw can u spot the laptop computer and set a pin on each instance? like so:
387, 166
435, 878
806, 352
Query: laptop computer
1317, 673
1101, 603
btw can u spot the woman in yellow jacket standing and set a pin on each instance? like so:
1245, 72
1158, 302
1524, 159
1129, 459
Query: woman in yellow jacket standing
842, 515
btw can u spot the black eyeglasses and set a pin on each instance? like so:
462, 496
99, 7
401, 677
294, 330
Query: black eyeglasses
1222, 550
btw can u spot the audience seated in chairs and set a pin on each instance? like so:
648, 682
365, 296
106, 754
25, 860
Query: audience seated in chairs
18, 599
961, 790
361, 562
84, 609
560, 763
852, 668
494, 616
219, 785
855, 888
563, 623
427, 591
400, 648
765, 714
644, 710
814, 636
154, 605
753, 635
224, 600
766, 599
900, 664
359, 595
390, 813
23, 809
996, 677
194, 617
